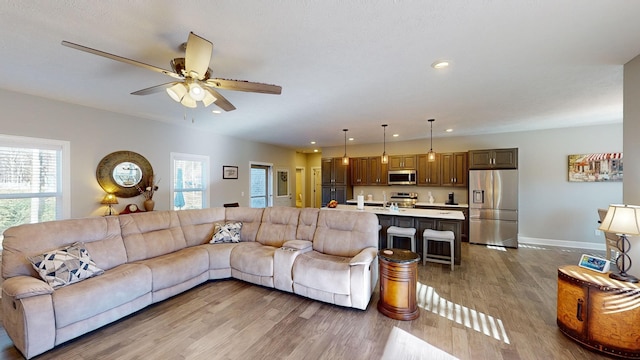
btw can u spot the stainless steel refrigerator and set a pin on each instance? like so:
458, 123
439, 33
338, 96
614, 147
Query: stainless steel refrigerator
493, 207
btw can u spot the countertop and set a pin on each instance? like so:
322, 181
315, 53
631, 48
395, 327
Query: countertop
425, 204
424, 213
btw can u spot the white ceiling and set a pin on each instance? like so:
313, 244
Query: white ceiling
515, 65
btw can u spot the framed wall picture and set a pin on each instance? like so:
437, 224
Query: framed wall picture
600, 167
229, 172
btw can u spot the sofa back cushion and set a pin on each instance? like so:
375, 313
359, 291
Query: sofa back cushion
150, 234
198, 224
345, 233
307, 223
250, 219
278, 225
101, 236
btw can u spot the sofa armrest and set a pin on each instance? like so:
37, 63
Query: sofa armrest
297, 244
364, 257
20, 287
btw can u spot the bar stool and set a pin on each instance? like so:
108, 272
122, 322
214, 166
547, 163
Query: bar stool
401, 232
436, 235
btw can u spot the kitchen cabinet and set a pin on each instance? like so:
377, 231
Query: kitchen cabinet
596, 311
402, 162
359, 171
377, 171
455, 170
428, 172
493, 159
335, 181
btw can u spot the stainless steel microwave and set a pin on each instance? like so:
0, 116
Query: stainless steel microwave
401, 177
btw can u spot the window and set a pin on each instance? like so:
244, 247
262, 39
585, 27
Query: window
189, 181
260, 186
34, 180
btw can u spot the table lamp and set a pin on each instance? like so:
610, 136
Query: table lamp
622, 220
109, 200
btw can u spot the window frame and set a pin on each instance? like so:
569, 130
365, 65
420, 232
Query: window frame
204, 160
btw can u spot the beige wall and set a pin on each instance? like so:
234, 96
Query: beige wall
96, 133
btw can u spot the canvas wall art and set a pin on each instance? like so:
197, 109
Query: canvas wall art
601, 167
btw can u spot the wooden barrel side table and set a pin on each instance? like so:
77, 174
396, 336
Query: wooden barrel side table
398, 281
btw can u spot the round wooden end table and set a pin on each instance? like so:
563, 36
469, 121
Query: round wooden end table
398, 281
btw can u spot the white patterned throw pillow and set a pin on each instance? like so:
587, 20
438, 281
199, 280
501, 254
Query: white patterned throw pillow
226, 233
66, 265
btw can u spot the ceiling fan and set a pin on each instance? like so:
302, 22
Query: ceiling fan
193, 76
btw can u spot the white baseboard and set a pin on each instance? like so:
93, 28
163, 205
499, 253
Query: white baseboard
562, 243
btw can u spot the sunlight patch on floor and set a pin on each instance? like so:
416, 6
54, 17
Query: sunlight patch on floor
430, 300
495, 247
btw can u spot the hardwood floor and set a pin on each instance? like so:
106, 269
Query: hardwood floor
499, 304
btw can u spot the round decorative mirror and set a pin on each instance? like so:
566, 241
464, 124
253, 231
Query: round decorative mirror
119, 172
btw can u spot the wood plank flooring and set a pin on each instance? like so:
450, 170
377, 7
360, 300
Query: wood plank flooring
499, 304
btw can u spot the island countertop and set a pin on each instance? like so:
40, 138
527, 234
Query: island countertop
418, 213
421, 204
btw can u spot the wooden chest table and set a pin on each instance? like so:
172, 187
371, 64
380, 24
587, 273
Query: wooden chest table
600, 313
398, 281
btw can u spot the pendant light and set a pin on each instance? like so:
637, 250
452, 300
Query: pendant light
385, 158
345, 158
431, 155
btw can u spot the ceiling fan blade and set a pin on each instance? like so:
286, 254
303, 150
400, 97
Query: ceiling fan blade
154, 89
221, 102
243, 85
120, 58
198, 55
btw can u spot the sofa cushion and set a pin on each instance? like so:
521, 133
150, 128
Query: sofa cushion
250, 219
324, 272
66, 265
152, 233
177, 267
94, 296
307, 223
198, 224
227, 233
345, 233
254, 259
101, 236
278, 225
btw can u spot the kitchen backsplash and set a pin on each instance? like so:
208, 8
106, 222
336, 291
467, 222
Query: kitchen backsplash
440, 194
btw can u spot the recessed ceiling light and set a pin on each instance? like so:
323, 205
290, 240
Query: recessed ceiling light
351, 139
315, 150
313, 143
440, 64
216, 111
396, 135
449, 130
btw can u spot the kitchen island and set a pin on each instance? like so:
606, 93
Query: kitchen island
420, 219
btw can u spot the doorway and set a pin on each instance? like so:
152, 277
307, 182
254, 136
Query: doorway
300, 188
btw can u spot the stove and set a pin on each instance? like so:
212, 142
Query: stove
404, 199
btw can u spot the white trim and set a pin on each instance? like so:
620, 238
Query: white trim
270, 185
562, 243
204, 159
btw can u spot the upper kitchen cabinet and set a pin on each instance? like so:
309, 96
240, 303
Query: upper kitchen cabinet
333, 172
428, 172
359, 171
402, 162
377, 171
493, 159
455, 169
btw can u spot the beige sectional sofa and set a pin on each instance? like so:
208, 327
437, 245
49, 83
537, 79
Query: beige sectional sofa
327, 255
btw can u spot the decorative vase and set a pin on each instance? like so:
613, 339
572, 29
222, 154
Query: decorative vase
149, 204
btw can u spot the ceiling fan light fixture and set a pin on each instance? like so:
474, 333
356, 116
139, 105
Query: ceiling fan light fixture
196, 91
177, 92
188, 102
208, 98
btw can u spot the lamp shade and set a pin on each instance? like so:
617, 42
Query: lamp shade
109, 199
177, 91
622, 219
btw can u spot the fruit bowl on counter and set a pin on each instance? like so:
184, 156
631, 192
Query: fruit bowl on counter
332, 204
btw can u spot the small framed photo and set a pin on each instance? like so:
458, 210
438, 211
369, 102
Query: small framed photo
229, 172
594, 263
